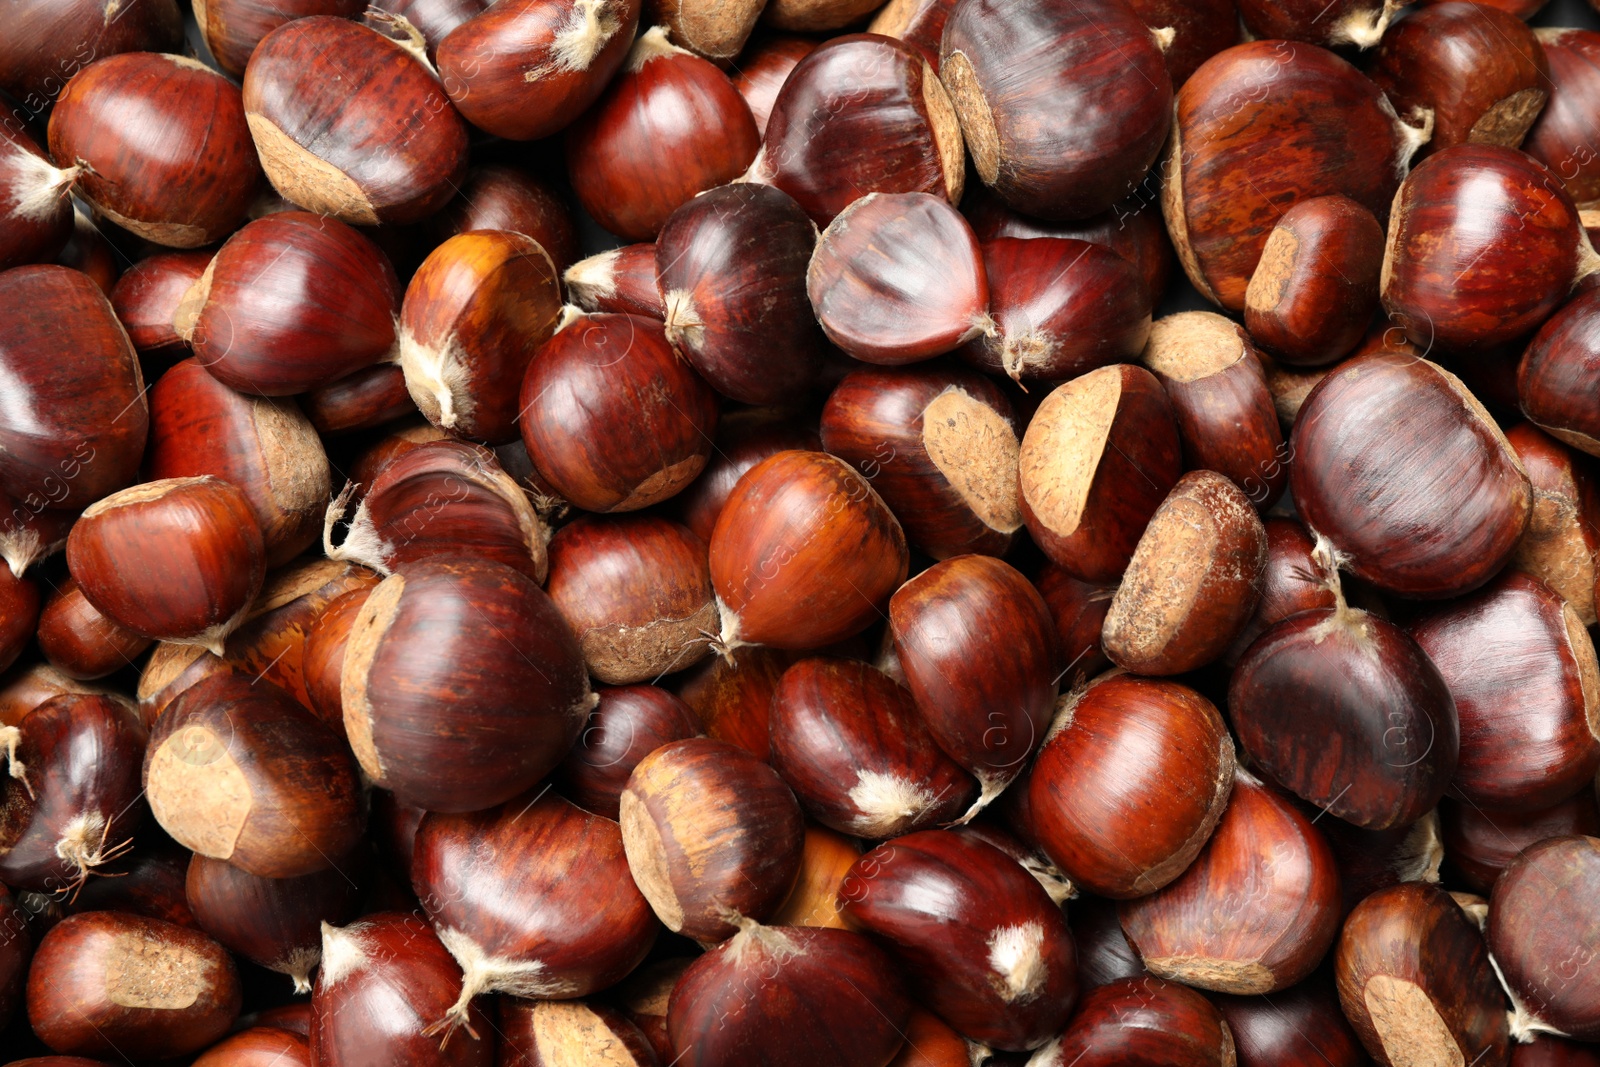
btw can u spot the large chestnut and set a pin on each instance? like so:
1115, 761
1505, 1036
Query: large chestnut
1481, 844
1064, 108
51, 41
1543, 930
163, 145
805, 553
1130, 783
461, 685
985, 946
532, 898
1401, 468
628, 724
1142, 1020
713, 837
1562, 134
350, 123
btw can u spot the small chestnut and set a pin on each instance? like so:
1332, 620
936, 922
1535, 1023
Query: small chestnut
1562, 542
1142, 1020
628, 724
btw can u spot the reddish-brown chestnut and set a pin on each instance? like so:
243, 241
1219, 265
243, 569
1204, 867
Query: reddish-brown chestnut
500, 197
233, 28
732, 699
1299, 1027
628, 724
1560, 358
19, 615
1345, 22
1562, 541
1079, 610
622, 281
1142, 1020
35, 201
1543, 929
744, 438
1480, 844
261, 1045
146, 299
52, 40
1564, 130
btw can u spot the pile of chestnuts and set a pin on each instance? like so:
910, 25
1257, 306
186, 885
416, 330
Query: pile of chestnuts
799, 533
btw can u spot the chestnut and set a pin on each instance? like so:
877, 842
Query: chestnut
644, 998
789, 996
1060, 307
861, 114
1079, 610
72, 799
628, 724
712, 835
1560, 136
1483, 246
265, 447
461, 664
1416, 982
613, 419
26, 688
474, 314
1229, 118
1563, 535
1480, 844
88, 252
778, 563
1104, 955
73, 385
51, 41
1257, 909
1064, 109
1193, 581
940, 446
1560, 355
744, 438
293, 302
368, 969
1346, 22
622, 280
163, 145
1542, 932
107, 983
475, 873
732, 699
636, 589
19, 615
350, 123
361, 400
825, 861
259, 1046
273, 922
850, 742
146, 298
1130, 783
812, 16
1293, 580
524, 70
1299, 1027
985, 946
1099, 456
930, 1042
731, 270
35, 201
148, 880
502, 197
231, 29
239, 771
441, 499
1315, 289
898, 278
1553, 1052
1141, 1020
569, 1033
1199, 31
1429, 504
665, 103
950, 616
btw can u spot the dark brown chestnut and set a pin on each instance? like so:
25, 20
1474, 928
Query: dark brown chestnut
80, 641
919, 23
744, 438
352, 124
1560, 356
53, 41
361, 400
1142, 1020
1562, 541
1560, 138
146, 298
231, 29
1480, 844
622, 281
1293, 580
732, 699
1346, 22
1543, 931
1199, 31
501, 197
628, 724
764, 66
461, 664
1130, 783
19, 614
149, 881
1064, 109
1299, 1027
1079, 610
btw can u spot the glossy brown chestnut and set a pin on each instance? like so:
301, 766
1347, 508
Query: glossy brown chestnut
644, 998
88, 251
291, 303
19, 615
850, 741
233, 28
613, 419
111, 984
1142, 1020
984, 945
524, 70
35, 201
825, 862
26, 688
500, 197
628, 724
273, 922
805, 553
1543, 930
712, 835
1480, 844
1483, 245
76, 416
939, 445
1298, 1027
744, 438
1522, 671
731, 270
1193, 581
666, 103
1313, 294
1560, 138
1254, 913
149, 881
474, 314
462, 664
1293, 580
862, 114
948, 617
1415, 980
636, 589
352, 124
1346, 22
1099, 456
532, 899
1104, 955
361, 400
52, 41
622, 280
1130, 783
370, 967
812, 16
733, 699
789, 997
146, 299
1563, 535
264, 447
164, 147
1063, 108
240, 772
1562, 354
898, 278
1214, 379
1200, 31
1428, 508
1230, 115
322, 655
1079, 610
564, 1033
765, 65
259, 1046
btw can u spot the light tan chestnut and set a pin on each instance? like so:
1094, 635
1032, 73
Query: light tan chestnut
1193, 581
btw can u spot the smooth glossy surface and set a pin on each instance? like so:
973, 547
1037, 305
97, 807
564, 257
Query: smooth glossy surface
1542, 929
